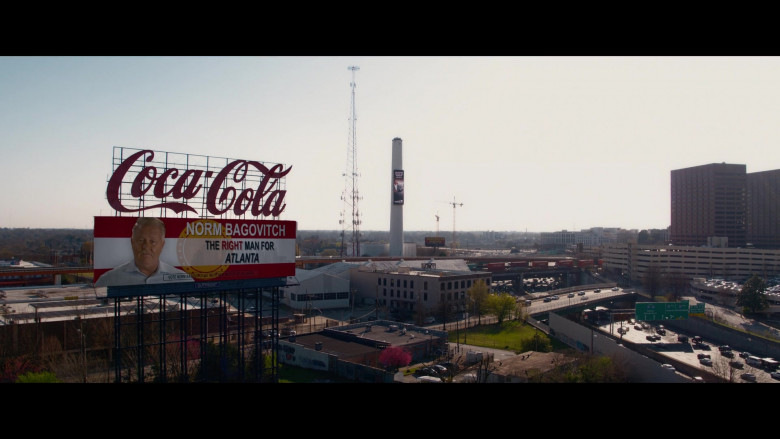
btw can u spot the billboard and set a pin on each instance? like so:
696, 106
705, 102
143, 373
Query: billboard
204, 186
434, 241
134, 251
398, 186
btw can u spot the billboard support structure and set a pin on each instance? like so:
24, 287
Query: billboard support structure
213, 293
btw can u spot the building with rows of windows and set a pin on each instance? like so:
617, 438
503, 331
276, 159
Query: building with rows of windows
417, 288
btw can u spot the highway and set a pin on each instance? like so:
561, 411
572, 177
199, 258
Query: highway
687, 352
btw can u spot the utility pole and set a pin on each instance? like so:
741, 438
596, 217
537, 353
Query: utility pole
454, 205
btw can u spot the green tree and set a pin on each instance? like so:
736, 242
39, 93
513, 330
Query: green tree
500, 305
677, 283
752, 298
478, 293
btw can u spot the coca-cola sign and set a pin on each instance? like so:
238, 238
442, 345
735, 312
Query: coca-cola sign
240, 187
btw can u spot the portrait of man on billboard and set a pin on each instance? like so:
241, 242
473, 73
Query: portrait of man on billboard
145, 267
398, 187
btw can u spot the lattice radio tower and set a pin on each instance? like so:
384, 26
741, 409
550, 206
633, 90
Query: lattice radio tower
351, 196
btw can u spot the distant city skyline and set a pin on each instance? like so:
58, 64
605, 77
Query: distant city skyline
526, 143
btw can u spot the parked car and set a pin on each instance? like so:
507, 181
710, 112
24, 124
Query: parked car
638, 327
441, 370
702, 355
426, 371
744, 354
724, 348
450, 366
747, 376
706, 361
728, 354
682, 338
775, 375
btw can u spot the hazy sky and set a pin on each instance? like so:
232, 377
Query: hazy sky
525, 143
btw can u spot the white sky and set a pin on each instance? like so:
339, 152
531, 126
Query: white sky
525, 143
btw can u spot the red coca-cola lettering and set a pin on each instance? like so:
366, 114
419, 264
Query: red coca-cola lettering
261, 201
220, 197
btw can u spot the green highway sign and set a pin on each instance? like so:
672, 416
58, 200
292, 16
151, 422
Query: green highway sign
697, 309
662, 310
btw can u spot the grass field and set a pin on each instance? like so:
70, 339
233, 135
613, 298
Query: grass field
510, 335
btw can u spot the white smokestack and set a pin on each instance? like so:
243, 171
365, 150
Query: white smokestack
397, 202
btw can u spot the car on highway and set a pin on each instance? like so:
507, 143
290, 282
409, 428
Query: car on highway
747, 376
668, 366
736, 364
581, 293
615, 288
584, 298
597, 290
570, 295
547, 299
555, 297
706, 361
638, 327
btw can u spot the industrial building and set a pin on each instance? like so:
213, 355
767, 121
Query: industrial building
417, 287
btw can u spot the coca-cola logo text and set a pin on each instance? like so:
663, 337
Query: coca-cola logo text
221, 195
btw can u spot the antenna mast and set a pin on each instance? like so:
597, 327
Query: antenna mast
351, 195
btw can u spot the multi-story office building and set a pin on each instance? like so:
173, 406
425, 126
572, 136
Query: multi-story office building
709, 200
722, 200
763, 228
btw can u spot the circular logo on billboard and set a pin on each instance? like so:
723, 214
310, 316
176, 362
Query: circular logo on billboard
200, 250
